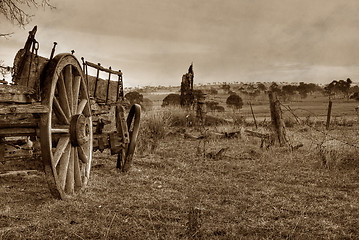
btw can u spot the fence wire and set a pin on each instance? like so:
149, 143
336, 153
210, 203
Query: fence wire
324, 132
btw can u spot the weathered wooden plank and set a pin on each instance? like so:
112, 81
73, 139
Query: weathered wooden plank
21, 163
9, 151
16, 94
10, 132
18, 173
23, 108
29, 74
21, 123
96, 66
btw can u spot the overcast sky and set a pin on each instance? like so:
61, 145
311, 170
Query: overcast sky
154, 41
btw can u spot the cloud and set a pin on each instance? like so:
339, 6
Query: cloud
155, 41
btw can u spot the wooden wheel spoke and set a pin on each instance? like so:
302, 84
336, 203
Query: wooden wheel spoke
68, 85
63, 166
70, 180
78, 178
81, 106
63, 99
60, 129
76, 92
82, 155
60, 114
60, 149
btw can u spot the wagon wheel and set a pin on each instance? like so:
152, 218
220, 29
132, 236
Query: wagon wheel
66, 130
125, 157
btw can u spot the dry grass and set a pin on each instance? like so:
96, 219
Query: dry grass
249, 193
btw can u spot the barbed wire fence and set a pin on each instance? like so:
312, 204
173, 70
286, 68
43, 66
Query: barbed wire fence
325, 133
312, 120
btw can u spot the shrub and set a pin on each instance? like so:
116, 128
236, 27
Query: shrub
219, 109
134, 97
234, 101
213, 91
289, 122
147, 104
171, 100
211, 105
179, 117
154, 126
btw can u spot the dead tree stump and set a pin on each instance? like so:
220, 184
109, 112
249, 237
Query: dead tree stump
277, 121
187, 96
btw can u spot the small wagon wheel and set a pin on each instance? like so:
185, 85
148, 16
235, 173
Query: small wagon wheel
66, 130
124, 160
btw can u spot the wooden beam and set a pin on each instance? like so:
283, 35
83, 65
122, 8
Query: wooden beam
96, 66
23, 109
15, 94
11, 132
24, 123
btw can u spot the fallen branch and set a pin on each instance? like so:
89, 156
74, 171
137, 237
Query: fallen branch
217, 155
18, 173
257, 134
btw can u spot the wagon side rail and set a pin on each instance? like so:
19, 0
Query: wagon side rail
102, 90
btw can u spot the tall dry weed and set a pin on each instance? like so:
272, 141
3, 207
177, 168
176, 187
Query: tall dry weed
179, 117
153, 129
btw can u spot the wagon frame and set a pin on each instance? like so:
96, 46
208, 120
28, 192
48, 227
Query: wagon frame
49, 110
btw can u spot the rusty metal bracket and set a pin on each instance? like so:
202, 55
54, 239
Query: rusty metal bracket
101, 144
108, 84
116, 143
121, 124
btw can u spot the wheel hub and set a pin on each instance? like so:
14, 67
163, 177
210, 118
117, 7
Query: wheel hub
79, 130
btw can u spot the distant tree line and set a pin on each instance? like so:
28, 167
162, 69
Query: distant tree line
286, 92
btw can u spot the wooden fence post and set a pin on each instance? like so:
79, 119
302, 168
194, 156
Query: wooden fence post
328, 114
276, 116
254, 117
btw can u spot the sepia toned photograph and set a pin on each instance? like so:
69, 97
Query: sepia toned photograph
179, 119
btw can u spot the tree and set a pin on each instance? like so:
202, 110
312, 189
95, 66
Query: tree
4, 70
234, 101
17, 11
275, 88
288, 91
340, 86
261, 87
225, 87
303, 90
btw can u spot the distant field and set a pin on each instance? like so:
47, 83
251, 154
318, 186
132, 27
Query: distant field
314, 106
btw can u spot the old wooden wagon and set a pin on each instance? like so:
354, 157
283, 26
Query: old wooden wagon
55, 111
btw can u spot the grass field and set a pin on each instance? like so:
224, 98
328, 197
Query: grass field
314, 105
174, 192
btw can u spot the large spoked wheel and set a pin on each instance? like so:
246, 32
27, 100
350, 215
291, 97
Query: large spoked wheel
66, 130
125, 158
